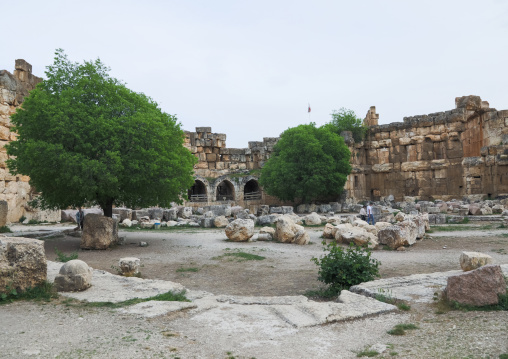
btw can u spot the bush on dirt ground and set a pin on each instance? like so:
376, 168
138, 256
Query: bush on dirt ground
342, 268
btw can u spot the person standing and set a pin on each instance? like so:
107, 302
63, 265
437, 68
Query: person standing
80, 218
370, 215
363, 213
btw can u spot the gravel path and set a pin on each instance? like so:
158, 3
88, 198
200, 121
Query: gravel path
65, 329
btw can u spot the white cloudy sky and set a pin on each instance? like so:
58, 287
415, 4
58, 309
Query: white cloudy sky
249, 68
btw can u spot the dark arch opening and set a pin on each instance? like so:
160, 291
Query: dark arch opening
251, 190
197, 193
225, 191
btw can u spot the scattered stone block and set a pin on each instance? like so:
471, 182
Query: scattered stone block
240, 230
287, 231
129, 266
478, 287
473, 260
98, 232
329, 231
22, 263
313, 219
74, 276
220, 222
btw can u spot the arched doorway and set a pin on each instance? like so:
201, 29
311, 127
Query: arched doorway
251, 190
225, 191
197, 193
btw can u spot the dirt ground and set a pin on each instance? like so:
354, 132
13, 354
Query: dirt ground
197, 259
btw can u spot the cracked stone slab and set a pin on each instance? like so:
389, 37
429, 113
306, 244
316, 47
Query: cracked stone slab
418, 288
107, 287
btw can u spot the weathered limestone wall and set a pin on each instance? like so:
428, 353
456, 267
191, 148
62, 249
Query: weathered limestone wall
228, 174
444, 155
15, 189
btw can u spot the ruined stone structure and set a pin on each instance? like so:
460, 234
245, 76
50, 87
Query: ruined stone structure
227, 174
444, 155
15, 190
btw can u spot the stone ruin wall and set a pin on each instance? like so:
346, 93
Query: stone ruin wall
444, 155
237, 169
15, 190
453, 154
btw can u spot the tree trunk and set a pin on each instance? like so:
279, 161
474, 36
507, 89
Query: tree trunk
107, 208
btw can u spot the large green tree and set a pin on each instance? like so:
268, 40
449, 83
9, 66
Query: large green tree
307, 163
84, 138
346, 120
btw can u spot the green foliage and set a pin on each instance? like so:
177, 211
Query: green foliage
43, 292
400, 329
5, 229
22, 219
242, 256
346, 120
307, 163
191, 269
86, 139
341, 269
367, 353
62, 257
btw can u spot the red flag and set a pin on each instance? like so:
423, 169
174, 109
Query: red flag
308, 109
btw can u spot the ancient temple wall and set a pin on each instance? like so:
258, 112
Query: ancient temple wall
16, 189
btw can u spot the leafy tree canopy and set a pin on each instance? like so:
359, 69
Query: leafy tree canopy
307, 163
346, 120
86, 139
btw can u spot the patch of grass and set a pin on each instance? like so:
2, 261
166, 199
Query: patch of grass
245, 256
43, 292
385, 296
367, 353
503, 356
5, 229
164, 297
387, 248
62, 257
192, 269
400, 329
403, 306
326, 293
394, 354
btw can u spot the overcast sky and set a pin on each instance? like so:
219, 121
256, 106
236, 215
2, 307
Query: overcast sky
250, 68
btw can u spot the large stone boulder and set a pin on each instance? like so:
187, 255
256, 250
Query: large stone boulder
329, 231
287, 231
398, 235
219, 210
360, 237
267, 220
478, 287
74, 276
313, 219
185, 212
22, 263
341, 229
99, 232
170, 214
124, 213
240, 230
220, 222
473, 260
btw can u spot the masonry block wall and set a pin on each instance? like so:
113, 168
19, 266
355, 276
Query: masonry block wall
444, 155
15, 190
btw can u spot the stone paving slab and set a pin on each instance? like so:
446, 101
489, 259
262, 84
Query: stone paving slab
418, 288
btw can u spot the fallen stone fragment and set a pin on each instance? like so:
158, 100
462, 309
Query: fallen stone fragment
474, 260
478, 287
129, 266
74, 276
240, 230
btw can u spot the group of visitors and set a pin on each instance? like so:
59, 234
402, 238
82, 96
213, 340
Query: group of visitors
367, 214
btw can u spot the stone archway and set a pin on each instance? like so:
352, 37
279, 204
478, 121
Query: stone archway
225, 191
251, 190
197, 193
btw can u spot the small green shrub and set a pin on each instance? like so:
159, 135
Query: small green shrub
62, 257
367, 353
42, 292
33, 221
5, 229
503, 356
192, 269
22, 219
400, 329
343, 268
